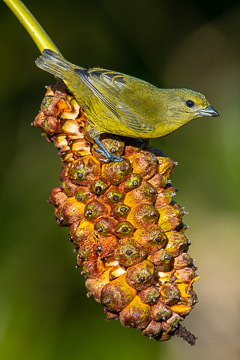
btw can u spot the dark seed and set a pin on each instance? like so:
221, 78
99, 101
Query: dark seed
79, 197
113, 150
135, 183
80, 175
122, 168
123, 209
100, 229
141, 279
124, 229
99, 248
158, 239
115, 197
111, 277
89, 212
129, 252
152, 191
98, 189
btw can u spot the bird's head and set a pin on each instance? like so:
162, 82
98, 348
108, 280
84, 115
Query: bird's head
183, 105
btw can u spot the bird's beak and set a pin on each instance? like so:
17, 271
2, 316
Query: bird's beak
208, 111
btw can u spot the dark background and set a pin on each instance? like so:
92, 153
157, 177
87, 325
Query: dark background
44, 312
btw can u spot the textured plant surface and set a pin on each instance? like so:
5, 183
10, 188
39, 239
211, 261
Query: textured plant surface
128, 232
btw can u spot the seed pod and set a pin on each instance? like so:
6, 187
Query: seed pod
79, 232
160, 312
99, 187
143, 215
144, 163
127, 230
141, 276
82, 195
94, 209
153, 329
164, 198
57, 197
177, 243
185, 275
158, 181
169, 294
182, 261
163, 259
113, 195
120, 211
127, 253
171, 324
117, 294
150, 239
149, 295
116, 172
84, 170
95, 285
136, 314
105, 225
106, 246
124, 229
170, 217
71, 211
132, 182
145, 194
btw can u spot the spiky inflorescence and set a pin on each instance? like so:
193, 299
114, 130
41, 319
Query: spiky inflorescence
127, 230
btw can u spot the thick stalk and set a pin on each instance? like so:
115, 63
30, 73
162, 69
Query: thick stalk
35, 30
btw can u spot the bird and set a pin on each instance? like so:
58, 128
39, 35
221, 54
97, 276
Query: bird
123, 105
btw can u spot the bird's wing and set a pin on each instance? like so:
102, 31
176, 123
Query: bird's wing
107, 85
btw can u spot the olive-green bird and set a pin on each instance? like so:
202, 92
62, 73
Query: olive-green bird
123, 105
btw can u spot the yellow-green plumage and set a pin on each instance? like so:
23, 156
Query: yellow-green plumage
123, 105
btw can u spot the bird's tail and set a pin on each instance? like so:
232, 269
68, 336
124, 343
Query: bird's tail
55, 64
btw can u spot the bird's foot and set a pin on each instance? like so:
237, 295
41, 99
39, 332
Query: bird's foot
103, 151
109, 157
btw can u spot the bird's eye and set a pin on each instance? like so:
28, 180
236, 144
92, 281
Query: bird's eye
190, 103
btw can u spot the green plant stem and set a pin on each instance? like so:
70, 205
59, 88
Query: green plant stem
35, 30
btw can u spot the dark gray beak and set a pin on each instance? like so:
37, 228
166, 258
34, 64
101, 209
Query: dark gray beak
209, 111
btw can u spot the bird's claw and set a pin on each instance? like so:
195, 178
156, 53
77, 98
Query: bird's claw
109, 157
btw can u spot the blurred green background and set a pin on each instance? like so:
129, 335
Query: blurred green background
44, 312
